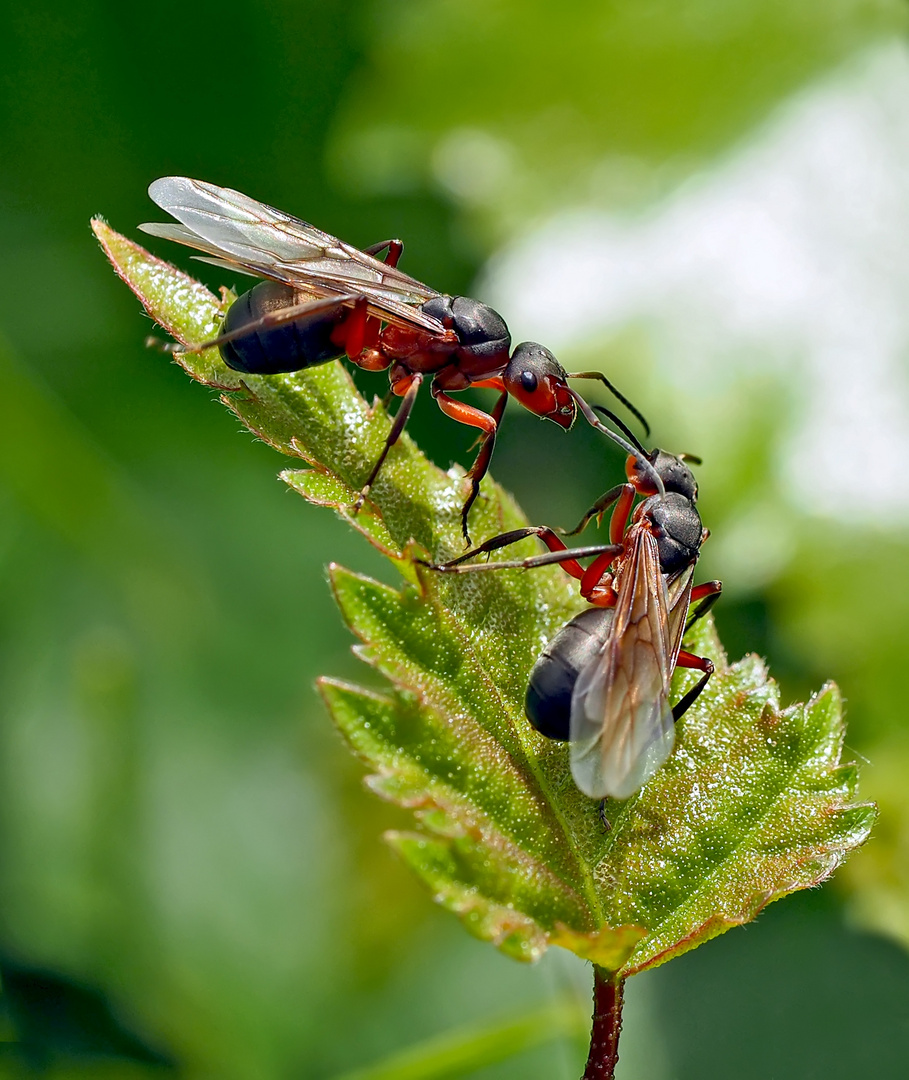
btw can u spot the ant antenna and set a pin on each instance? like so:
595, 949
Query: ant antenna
632, 438
600, 377
638, 453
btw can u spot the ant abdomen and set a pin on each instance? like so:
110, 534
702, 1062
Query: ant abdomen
547, 702
292, 345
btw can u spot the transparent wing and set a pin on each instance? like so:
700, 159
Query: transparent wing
179, 234
258, 239
678, 599
622, 728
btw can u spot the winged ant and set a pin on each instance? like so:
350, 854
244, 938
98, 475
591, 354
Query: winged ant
603, 681
322, 299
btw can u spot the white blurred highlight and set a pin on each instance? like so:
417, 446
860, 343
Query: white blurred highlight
792, 254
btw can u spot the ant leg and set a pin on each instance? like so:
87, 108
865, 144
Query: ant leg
622, 495
495, 543
495, 383
358, 335
473, 417
698, 663
480, 466
595, 573
499, 407
703, 597
395, 247
597, 510
396, 428
600, 377
557, 553
601, 814
329, 306
355, 327
384, 402
618, 523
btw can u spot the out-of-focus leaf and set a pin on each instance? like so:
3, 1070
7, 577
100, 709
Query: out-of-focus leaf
68, 483
460, 1052
864, 640
879, 881
55, 1020
753, 804
550, 110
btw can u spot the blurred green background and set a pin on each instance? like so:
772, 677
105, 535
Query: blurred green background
709, 200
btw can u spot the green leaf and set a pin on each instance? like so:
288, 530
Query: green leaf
753, 804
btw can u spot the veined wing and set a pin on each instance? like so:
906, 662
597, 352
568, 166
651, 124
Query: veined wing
258, 239
622, 728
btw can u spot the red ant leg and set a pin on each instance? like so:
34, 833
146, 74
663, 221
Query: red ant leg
558, 546
696, 663
373, 360
595, 573
490, 384
703, 597
473, 417
361, 341
395, 247
409, 397
686, 659
618, 523
708, 588
498, 409
355, 329
358, 335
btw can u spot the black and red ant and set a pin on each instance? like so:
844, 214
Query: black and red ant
603, 681
323, 299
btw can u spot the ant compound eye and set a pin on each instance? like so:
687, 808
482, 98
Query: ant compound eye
529, 381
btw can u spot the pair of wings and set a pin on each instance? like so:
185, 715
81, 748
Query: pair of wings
622, 727
242, 234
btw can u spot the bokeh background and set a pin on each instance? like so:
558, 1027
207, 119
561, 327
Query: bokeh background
707, 199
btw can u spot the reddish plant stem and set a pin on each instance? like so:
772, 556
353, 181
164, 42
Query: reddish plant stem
608, 990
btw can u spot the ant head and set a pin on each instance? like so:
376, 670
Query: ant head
539, 382
672, 470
